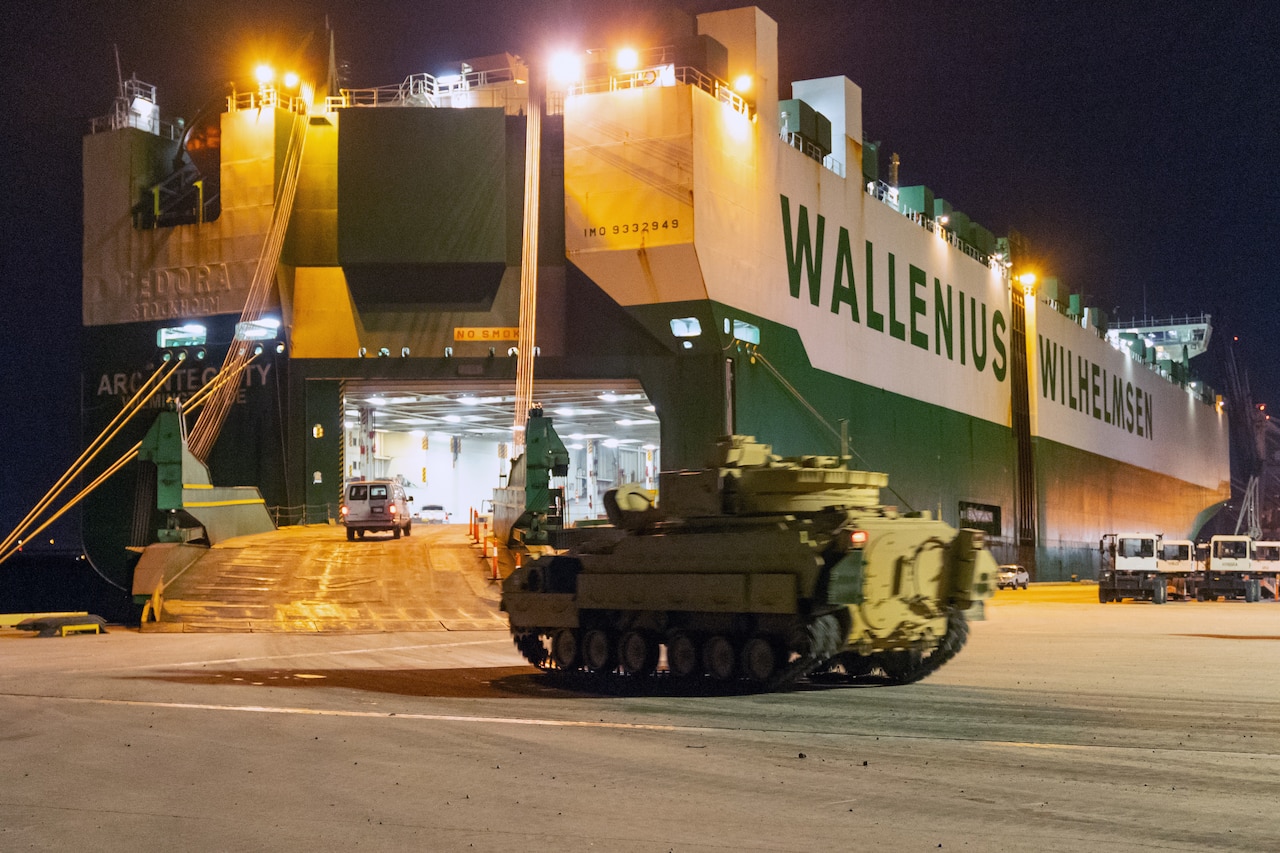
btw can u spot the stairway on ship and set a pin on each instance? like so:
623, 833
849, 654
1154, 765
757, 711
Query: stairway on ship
311, 579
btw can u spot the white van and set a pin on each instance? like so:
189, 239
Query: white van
376, 505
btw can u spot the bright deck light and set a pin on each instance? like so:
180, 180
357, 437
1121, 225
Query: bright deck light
742, 84
566, 68
264, 74
628, 59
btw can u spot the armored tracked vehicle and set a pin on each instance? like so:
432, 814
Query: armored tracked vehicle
760, 568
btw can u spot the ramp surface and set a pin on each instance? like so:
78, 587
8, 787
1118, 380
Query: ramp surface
310, 579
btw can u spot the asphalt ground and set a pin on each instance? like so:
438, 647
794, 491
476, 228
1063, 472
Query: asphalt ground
1063, 725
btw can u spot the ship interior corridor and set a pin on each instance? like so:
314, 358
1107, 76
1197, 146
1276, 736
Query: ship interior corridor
450, 444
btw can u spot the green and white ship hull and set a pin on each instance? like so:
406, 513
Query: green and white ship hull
742, 274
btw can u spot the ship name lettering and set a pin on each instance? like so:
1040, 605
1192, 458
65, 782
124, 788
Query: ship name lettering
181, 383
184, 281
908, 309
1083, 386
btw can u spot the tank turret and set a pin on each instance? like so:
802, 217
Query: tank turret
758, 567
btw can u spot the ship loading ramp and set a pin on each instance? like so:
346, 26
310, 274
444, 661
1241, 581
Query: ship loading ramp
310, 579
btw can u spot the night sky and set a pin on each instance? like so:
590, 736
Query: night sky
1134, 144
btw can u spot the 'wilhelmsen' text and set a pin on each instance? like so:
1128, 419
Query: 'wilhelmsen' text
1087, 388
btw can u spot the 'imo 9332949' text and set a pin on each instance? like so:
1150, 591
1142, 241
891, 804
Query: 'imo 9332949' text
644, 227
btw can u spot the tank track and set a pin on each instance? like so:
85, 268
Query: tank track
823, 640
916, 667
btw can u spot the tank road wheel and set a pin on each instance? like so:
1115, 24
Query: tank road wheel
598, 651
682, 655
638, 653
351, 534
719, 658
759, 659
899, 666
564, 649
854, 664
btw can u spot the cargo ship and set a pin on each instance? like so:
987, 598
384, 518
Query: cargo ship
664, 247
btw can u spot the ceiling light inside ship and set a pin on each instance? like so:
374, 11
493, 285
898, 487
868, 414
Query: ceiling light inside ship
479, 416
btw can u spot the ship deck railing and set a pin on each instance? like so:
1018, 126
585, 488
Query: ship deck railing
1149, 323
501, 87
666, 75
812, 151
266, 97
888, 195
121, 116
